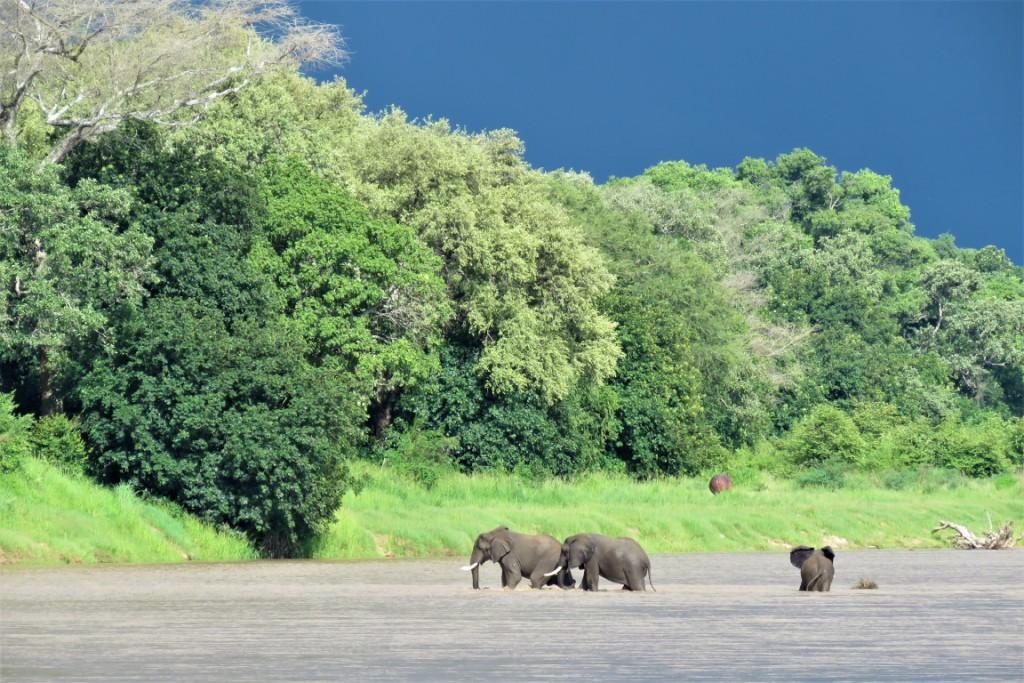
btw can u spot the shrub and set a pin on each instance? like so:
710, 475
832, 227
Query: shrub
932, 479
826, 434
1015, 445
977, 450
58, 440
1006, 481
14, 435
421, 455
898, 479
830, 476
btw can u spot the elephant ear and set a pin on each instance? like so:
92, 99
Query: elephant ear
500, 548
827, 552
799, 555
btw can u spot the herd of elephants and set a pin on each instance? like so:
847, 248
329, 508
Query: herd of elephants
546, 562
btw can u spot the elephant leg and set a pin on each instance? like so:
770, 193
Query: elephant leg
513, 579
634, 580
591, 575
538, 580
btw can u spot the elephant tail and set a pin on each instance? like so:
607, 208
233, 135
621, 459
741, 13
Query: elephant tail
650, 580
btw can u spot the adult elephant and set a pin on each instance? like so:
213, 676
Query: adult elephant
816, 567
621, 560
519, 555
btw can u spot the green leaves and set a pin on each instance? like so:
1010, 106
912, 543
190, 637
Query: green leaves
825, 435
69, 259
521, 280
364, 292
15, 431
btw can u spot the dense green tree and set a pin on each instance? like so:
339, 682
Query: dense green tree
215, 393
522, 283
223, 417
680, 380
365, 293
507, 432
69, 260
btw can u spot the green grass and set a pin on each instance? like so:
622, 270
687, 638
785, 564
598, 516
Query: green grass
393, 516
48, 517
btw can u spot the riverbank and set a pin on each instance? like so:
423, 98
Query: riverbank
395, 517
47, 517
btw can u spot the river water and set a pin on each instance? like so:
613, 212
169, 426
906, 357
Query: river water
936, 616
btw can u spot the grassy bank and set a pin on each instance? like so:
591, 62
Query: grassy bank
48, 517
393, 516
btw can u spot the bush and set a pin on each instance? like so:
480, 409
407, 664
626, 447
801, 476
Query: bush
1015, 445
932, 479
898, 480
14, 435
826, 434
422, 455
58, 440
1005, 481
977, 450
831, 476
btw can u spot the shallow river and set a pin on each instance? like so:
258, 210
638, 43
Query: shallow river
937, 616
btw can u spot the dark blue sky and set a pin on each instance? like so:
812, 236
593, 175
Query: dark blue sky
927, 92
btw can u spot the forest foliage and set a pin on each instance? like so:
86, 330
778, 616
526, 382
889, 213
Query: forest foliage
225, 311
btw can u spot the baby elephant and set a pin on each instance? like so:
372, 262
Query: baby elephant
816, 570
621, 560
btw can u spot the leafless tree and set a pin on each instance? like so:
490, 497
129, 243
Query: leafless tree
88, 65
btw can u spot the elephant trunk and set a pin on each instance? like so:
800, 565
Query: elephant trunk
474, 561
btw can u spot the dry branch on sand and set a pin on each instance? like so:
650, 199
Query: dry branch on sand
992, 540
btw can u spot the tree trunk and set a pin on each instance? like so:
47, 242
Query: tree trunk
381, 412
49, 404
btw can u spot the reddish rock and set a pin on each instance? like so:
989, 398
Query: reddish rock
719, 483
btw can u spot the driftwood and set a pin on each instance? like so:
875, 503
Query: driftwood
992, 540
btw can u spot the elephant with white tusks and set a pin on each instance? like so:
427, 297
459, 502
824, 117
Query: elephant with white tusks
519, 555
816, 567
621, 560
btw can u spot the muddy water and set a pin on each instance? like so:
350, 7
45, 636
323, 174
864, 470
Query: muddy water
938, 615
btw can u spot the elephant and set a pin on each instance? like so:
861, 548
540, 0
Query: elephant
621, 560
520, 555
816, 567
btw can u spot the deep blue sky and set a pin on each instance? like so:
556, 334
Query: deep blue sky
927, 92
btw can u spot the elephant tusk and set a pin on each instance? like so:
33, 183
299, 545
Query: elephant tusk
554, 571
469, 567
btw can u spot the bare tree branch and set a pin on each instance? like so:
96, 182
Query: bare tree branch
88, 65
992, 540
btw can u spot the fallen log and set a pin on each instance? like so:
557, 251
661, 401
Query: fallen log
992, 540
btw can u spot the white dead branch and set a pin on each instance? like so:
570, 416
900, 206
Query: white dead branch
994, 539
